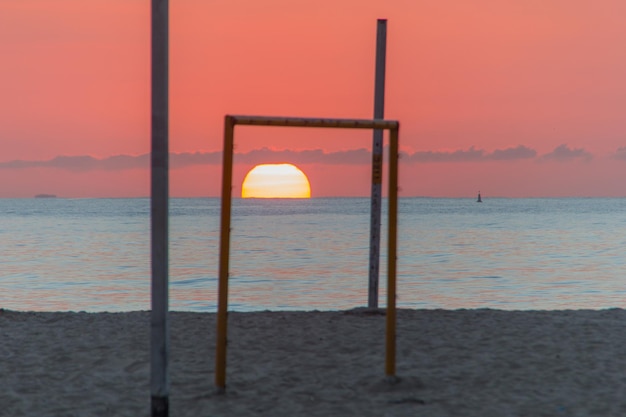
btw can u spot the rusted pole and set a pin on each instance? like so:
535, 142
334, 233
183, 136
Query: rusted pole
377, 164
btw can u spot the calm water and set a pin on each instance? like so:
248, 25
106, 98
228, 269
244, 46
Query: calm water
93, 254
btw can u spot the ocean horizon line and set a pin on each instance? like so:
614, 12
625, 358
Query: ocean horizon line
501, 197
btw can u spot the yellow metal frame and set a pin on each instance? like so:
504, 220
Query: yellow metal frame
227, 175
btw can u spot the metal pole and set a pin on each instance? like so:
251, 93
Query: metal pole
390, 362
159, 211
377, 163
222, 306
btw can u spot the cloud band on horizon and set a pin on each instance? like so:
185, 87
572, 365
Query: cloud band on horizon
81, 163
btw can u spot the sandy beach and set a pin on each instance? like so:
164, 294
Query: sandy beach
450, 363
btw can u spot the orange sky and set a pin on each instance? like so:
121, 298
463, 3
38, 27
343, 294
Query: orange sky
508, 97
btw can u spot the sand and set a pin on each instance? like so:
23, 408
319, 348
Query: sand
450, 363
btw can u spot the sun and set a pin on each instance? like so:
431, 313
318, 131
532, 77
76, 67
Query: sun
275, 181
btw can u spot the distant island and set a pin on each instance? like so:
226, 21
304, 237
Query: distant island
45, 196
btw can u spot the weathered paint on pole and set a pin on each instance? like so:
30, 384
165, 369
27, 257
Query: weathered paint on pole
377, 164
390, 362
222, 303
225, 224
313, 122
159, 212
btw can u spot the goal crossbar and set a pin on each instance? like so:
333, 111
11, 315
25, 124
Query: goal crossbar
227, 173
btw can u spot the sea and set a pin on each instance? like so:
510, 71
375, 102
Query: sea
313, 254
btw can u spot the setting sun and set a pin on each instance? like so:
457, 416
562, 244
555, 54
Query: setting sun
275, 181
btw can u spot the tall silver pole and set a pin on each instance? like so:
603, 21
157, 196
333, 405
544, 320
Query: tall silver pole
377, 163
159, 211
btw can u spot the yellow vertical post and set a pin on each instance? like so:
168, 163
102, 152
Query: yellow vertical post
222, 306
390, 362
